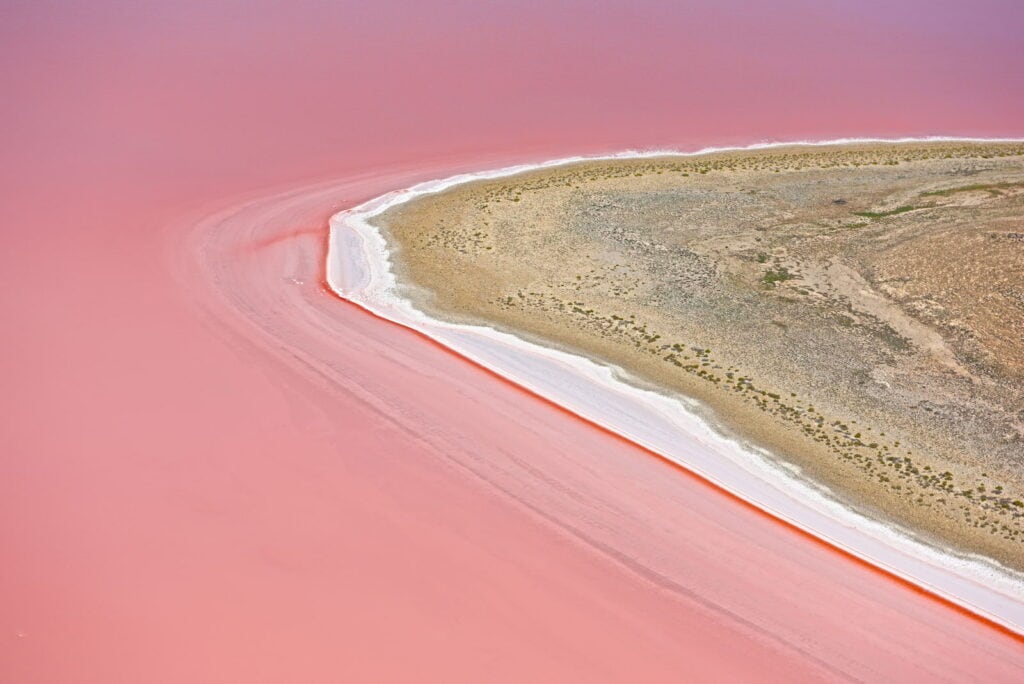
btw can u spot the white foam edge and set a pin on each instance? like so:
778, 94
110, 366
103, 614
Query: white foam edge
359, 269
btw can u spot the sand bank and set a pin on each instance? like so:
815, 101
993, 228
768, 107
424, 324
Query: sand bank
359, 268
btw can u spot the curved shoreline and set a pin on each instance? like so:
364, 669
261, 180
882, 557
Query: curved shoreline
359, 269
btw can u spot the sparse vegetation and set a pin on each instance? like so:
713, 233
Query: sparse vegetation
771, 276
883, 214
993, 188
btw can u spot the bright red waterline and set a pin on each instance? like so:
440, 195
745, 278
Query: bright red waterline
132, 419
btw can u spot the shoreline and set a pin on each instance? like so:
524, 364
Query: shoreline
656, 421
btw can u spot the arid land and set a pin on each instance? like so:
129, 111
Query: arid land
857, 310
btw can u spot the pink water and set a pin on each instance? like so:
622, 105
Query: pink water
213, 470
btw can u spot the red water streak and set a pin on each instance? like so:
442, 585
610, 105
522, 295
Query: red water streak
213, 471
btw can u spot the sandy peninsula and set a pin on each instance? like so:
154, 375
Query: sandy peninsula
857, 309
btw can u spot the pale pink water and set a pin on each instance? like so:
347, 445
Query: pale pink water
212, 470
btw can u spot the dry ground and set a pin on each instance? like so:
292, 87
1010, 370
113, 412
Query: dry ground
858, 310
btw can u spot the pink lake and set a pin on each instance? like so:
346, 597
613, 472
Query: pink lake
213, 470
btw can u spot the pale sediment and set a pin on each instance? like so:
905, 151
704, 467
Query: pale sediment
522, 254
